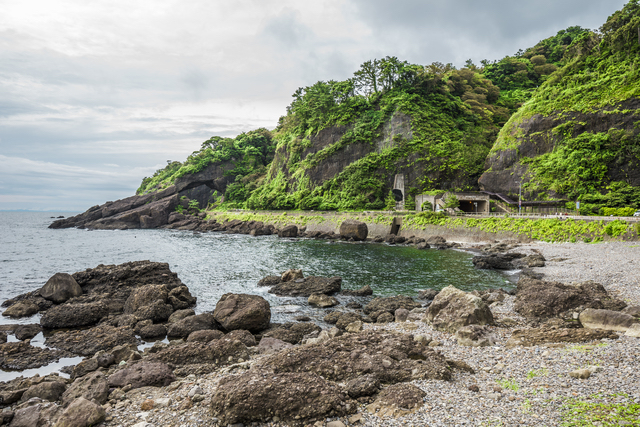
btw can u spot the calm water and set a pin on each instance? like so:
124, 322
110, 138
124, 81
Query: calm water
212, 264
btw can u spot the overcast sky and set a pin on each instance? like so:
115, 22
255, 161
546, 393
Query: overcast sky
95, 95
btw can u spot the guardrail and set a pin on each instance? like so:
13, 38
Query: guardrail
537, 215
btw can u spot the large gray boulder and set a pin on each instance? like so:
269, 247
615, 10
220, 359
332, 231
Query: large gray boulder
81, 413
243, 311
149, 302
607, 319
352, 229
60, 287
21, 309
92, 386
452, 309
46, 390
288, 231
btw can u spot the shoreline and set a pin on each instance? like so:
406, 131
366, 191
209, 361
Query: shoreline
517, 386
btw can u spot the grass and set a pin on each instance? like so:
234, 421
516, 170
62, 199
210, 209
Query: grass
509, 383
601, 410
537, 373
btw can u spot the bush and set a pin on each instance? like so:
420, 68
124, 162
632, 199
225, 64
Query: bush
452, 202
426, 206
617, 211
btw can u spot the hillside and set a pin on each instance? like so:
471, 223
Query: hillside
559, 116
577, 137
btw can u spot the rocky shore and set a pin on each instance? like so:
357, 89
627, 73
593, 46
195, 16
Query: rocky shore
451, 358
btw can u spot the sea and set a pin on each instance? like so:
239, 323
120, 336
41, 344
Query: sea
212, 264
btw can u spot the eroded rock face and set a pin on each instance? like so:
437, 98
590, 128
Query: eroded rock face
22, 355
391, 358
397, 400
292, 332
391, 304
46, 390
294, 398
538, 298
143, 374
550, 334
352, 229
307, 286
243, 311
60, 287
452, 309
73, 315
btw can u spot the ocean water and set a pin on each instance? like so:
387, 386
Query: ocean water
212, 264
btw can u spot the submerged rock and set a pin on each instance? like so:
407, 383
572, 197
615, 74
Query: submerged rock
307, 286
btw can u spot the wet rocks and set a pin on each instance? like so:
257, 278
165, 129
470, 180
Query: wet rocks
496, 261
290, 275
143, 374
309, 285
22, 355
21, 309
294, 398
391, 304
270, 281
452, 309
362, 292
606, 319
46, 390
352, 229
322, 301
288, 231
292, 332
26, 332
538, 298
60, 287
242, 311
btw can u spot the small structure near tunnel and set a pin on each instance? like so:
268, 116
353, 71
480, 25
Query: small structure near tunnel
470, 201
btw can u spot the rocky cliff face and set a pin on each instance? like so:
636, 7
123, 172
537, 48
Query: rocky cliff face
538, 135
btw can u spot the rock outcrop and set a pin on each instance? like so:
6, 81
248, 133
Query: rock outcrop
352, 229
243, 311
452, 309
308, 285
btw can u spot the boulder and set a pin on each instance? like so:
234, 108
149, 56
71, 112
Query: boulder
180, 298
205, 335
362, 292
397, 400
354, 327
73, 315
607, 319
92, 386
475, 336
143, 374
245, 337
292, 333
322, 301
538, 298
290, 275
271, 280
243, 311
291, 397
632, 310
181, 314
546, 334
401, 315
36, 413
352, 229
22, 355
535, 260
46, 390
496, 261
270, 345
148, 330
384, 317
60, 287
288, 231
307, 286
427, 294
84, 367
390, 357
452, 309
391, 304
26, 332
184, 327
21, 309
81, 413
345, 319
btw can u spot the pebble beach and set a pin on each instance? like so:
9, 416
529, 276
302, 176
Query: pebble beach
510, 386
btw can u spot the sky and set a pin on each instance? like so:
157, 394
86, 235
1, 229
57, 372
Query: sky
95, 95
